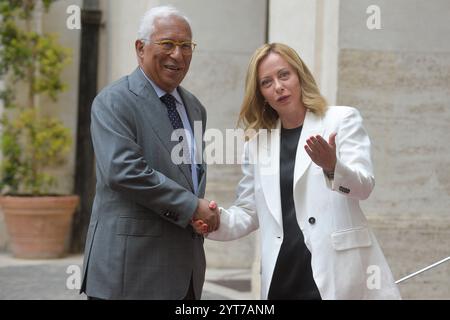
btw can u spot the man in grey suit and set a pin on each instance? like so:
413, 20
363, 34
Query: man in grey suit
141, 243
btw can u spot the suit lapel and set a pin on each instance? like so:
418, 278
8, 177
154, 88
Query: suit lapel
269, 162
159, 121
311, 126
269, 171
194, 115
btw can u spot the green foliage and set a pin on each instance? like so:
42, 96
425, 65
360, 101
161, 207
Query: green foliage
22, 9
31, 143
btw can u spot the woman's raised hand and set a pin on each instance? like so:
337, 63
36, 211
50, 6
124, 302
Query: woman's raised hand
321, 152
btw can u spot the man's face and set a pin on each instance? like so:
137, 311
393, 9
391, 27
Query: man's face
166, 69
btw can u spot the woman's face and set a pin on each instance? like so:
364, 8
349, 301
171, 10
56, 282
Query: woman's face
279, 84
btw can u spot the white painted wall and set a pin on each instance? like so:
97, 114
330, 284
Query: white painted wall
66, 107
294, 23
122, 23
311, 28
407, 25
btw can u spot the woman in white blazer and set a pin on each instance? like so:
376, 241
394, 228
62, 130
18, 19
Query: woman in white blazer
302, 191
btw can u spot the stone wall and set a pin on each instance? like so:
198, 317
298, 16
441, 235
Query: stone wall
404, 98
399, 78
411, 245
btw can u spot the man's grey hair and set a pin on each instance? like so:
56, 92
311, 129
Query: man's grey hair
147, 24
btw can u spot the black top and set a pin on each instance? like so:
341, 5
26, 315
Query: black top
292, 277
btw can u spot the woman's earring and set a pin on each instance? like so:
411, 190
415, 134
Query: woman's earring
265, 106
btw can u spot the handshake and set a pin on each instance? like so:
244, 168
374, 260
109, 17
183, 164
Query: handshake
206, 218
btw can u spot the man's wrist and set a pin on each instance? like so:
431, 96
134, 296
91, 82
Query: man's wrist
193, 218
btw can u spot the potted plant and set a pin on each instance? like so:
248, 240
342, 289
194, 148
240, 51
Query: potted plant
32, 143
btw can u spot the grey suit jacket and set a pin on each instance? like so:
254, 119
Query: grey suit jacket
140, 244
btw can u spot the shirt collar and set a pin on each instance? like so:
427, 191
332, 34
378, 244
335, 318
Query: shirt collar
160, 92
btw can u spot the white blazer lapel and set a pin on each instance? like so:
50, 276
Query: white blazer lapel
311, 126
269, 170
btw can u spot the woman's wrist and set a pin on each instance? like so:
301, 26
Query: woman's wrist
329, 174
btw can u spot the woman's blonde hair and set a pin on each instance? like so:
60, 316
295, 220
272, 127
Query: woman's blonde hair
255, 113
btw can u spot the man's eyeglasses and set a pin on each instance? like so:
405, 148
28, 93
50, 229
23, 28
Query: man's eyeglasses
187, 47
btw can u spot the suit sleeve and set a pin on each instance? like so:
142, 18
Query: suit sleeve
353, 175
122, 166
241, 218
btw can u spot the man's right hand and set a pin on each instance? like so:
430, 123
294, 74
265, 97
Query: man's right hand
207, 215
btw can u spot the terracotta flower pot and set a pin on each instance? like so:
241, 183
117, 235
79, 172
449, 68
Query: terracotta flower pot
38, 227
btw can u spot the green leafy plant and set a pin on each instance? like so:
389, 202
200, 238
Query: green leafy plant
31, 62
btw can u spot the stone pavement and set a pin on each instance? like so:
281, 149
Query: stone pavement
53, 279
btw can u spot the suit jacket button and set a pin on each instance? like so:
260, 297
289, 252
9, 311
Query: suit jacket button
312, 220
344, 190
